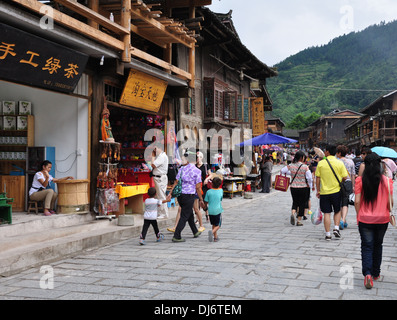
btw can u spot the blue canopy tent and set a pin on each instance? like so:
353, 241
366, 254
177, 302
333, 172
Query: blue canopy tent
267, 138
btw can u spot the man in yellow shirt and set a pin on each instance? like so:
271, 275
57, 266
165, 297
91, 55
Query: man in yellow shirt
328, 189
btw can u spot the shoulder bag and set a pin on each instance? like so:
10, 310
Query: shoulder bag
343, 189
392, 218
177, 191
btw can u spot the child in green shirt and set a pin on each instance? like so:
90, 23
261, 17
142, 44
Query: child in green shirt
213, 200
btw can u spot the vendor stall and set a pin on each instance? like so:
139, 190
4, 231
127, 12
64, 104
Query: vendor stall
132, 194
232, 185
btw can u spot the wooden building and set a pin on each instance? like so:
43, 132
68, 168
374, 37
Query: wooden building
377, 125
225, 68
329, 129
85, 52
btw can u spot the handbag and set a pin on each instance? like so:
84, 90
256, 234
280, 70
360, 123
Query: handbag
281, 183
392, 218
177, 191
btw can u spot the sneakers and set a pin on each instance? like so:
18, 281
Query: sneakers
336, 234
197, 234
368, 282
141, 242
160, 237
328, 238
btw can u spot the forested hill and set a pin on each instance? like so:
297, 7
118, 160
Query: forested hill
365, 60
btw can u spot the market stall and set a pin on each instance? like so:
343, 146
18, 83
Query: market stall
233, 185
134, 196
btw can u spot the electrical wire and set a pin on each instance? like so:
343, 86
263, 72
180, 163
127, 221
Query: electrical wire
74, 160
328, 88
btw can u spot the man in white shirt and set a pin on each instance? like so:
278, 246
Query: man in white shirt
160, 169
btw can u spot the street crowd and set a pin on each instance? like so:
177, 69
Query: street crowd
334, 177
338, 178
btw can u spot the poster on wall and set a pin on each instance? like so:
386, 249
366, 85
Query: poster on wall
143, 91
28, 59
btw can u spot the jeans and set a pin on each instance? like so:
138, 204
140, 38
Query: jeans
186, 202
371, 247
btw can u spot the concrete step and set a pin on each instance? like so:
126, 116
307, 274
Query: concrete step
40, 241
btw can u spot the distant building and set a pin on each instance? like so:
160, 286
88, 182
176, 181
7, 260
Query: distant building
329, 129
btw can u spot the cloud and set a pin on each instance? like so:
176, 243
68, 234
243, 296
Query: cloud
274, 30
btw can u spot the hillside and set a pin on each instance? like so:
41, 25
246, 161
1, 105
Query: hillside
359, 60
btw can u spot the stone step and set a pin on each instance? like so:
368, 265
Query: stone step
45, 241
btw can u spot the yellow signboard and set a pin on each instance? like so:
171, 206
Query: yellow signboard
143, 91
258, 117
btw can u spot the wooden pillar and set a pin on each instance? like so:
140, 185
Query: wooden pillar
192, 50
126, 23
93, 5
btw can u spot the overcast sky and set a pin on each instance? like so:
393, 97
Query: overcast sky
275, 29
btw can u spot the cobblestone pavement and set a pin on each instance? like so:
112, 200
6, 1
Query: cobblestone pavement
259, 256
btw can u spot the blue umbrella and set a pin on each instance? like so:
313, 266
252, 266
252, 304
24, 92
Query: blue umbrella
384, 152
267, 138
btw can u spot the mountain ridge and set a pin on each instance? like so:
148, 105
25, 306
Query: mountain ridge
349, 72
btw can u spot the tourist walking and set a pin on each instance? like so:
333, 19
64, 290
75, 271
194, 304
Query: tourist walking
191, 185
301, 179
330, 173
341, 152
160, 170
373, 204
213, 199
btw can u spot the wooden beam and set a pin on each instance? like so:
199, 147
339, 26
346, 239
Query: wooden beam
94, 16
161, 63
74, 24
136, 11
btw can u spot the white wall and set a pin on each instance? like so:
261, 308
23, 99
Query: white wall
61, 121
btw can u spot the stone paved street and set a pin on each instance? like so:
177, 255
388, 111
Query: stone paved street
259, 256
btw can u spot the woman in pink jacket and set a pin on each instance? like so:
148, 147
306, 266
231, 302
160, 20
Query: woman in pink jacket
372, 206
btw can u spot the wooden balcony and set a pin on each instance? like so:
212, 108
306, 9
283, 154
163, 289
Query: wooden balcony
113, 23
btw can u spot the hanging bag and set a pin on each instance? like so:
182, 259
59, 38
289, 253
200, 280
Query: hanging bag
343, 188
317, 216
392, 218
178, 188
282, 182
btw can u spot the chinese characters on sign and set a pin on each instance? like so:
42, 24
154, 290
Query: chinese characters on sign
258, 117
28, 59
143, 91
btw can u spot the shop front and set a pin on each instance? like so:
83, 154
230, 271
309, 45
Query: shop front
44, 111
139, 107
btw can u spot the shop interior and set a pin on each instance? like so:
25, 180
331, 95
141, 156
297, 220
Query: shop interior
59, 123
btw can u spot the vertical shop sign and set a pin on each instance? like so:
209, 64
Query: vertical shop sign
28, 59
258, 117
143, 91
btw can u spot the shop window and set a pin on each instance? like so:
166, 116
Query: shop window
191, 104
230, 105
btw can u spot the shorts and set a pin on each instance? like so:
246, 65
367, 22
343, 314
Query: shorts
330, 202
216, 220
